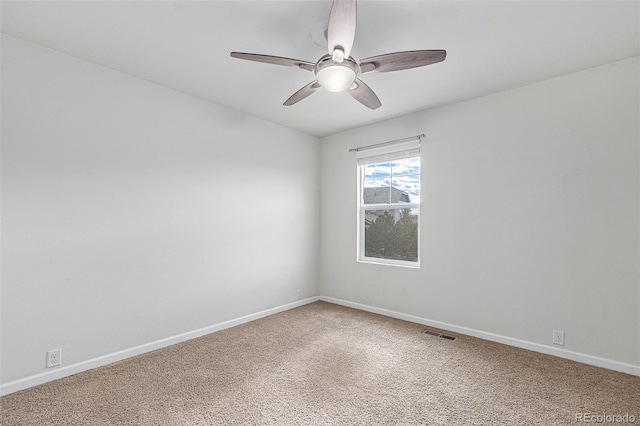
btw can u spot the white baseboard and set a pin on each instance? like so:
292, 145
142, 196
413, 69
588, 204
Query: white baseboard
523, 344
69, 370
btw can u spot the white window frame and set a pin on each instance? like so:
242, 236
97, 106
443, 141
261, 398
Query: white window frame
378, 154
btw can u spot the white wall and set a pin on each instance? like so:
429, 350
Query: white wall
530, 217
124, 215
131, 212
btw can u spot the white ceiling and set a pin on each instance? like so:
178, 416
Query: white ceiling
491, 46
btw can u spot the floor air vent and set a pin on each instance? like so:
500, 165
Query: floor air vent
433, 333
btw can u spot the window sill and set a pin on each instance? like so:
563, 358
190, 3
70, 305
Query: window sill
400, 264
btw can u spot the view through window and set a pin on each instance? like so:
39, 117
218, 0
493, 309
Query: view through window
390, 211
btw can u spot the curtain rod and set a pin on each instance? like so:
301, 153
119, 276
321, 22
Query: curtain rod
386, 143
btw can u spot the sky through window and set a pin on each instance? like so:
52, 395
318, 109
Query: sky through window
400, 174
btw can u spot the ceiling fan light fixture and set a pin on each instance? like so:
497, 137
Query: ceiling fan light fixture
336, 77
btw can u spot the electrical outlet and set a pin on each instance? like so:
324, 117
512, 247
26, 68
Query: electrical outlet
299, 293
54, 358
558, 337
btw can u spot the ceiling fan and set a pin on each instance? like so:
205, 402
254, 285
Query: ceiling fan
337, 71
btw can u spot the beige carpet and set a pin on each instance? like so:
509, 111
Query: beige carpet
326, 364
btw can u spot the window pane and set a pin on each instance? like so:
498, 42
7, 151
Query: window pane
409, 185
377, 182
377, 170
376, 195
391, 234
407, 166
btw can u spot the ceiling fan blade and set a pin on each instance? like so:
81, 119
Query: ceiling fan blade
302, 93
402, 60
363, 94
276, 60
342, 26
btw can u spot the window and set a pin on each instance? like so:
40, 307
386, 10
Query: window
389, 204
